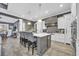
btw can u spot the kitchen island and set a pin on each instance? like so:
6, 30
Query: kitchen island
43, 42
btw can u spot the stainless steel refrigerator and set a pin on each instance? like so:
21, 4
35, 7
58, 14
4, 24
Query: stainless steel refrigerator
0, 44
74, 34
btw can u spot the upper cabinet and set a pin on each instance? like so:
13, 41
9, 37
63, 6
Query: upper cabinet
51, 24
64, 21
61, 22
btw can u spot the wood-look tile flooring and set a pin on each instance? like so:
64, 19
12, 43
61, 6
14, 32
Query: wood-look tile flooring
12, 47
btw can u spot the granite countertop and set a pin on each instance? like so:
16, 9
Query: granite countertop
41, 34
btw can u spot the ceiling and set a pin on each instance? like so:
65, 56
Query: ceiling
36, 11
6, 19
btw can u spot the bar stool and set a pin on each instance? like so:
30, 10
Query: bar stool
21, 38
31, 42
25, 39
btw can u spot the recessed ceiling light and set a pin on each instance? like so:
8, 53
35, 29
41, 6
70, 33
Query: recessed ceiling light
61, 5
22, 16
76, 17
31, 18
36, 16
39, 20
29, 12
29, 23
46, 11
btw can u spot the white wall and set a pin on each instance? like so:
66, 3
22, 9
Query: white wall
23, 26
20, 25
44, 27
39, 26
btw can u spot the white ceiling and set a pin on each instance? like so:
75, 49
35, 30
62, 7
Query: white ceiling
36, 11
7, 19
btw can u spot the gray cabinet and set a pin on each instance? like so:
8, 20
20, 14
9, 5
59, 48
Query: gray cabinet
49, 41
43, 43
51, 24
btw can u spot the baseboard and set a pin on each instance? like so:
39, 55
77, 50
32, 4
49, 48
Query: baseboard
62, 42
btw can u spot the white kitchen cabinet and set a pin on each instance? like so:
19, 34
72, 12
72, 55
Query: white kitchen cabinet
39, 27
58, 37
64, 21
77, 48
68, 20
61, 22
44, 27
68, 38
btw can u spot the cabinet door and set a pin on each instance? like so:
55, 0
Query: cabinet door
77, 48
60, 37
48, 41
54, 37
61, 22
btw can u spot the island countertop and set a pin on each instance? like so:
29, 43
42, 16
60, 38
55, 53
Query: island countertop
41, 34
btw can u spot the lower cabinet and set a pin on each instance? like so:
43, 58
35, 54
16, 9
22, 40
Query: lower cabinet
43, 43
48, 41
77, 48
58, 37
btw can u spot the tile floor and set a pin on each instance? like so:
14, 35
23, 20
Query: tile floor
12, 47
